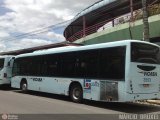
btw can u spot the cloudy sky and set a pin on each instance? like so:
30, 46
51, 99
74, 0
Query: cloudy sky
18, 17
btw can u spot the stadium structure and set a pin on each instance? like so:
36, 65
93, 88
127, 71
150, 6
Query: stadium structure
113, 20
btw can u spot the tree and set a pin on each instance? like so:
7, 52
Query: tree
145, 21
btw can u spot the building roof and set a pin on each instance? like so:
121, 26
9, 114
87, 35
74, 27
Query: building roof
29, 50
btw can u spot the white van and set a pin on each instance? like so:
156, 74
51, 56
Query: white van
6, 63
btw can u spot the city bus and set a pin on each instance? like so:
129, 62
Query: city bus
5, 70
121, 71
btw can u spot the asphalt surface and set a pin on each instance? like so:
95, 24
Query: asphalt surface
12, 101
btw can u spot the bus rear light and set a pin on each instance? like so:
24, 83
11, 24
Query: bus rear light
5, 75
145, 85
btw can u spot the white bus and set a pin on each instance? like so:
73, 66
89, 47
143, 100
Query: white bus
5, 70
119, 71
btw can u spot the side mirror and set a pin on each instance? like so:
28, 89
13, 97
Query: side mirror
8, 64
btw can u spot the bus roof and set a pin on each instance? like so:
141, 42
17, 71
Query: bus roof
4, 56
45, 50
81, 48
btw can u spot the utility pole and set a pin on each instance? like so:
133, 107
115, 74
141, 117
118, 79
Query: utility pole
145, 21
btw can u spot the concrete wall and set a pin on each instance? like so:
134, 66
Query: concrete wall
123, 31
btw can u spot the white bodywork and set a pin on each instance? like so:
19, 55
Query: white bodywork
6, 70
135, 86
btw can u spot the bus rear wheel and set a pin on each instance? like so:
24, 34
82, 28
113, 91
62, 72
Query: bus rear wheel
24, 87
76, 93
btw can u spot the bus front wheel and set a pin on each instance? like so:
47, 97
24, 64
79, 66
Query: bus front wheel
23, 86
76, 93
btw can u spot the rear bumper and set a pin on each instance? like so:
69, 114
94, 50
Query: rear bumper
134, 97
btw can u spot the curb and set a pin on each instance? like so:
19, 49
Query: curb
154, 102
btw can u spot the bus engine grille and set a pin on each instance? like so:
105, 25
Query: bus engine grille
109, 91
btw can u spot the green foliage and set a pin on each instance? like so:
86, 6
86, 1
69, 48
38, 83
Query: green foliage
154, 9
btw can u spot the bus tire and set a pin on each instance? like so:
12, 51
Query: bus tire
76, 93
24, 86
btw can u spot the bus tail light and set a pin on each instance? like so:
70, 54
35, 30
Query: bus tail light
146, 85
5, 75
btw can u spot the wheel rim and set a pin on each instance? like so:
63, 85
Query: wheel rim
24, 87
76, 93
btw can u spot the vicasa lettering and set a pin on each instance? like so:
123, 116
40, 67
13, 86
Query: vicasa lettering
37, 79
149, 73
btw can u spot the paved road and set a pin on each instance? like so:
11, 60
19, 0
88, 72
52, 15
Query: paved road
15, 102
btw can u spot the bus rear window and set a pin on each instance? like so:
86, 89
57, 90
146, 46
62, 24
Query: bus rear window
145, 53
1, 63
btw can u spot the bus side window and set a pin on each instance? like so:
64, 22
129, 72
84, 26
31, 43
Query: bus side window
15, 69
87, 64
112, 63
